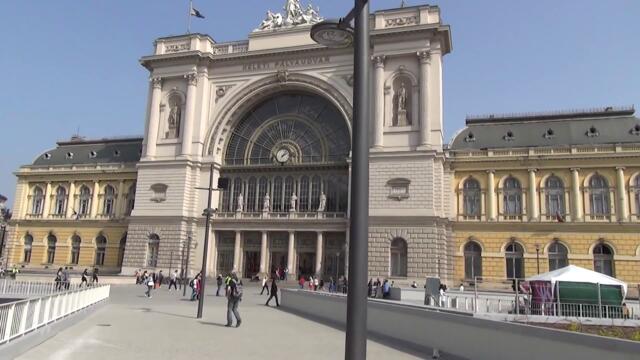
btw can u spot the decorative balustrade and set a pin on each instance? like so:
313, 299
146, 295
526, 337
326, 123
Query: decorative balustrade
280, 215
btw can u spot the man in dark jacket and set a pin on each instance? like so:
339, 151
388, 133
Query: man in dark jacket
234, 296
219, 283
274, 292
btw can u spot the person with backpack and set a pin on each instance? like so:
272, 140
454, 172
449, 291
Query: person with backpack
150, 285
194, 288
234, 296
219, 283
59, 279
84, 280
274, 292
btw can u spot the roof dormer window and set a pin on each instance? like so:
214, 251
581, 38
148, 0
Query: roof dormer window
592, 132
116, 153
549, 134
508, 136
69, 155
92, 154
46, 156
635, 130
470, 138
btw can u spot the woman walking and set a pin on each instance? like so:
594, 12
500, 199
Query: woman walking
84, 280
150, 284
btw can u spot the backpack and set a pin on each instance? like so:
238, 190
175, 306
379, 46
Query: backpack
237, 290
191, 283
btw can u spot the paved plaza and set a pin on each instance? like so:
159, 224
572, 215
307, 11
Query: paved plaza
131, 326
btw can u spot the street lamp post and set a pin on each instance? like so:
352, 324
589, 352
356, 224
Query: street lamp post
538, 257
339, 34
186, 266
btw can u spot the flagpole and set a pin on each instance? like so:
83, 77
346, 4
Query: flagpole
189, 17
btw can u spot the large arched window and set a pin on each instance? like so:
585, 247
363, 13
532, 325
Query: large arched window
398, 261
237, 190
131, 199
109, 201
315, 192
37, 202
60, 206
251, 195
277, 195
289, 190
121, 248
153, 249
557, 256
51, 248
599, 197
28, 245
101, 249
603, 259
472, 260
512, 198
84, 201
303, 200
75, 249
554, 197
471, 198
514, 256
263, 185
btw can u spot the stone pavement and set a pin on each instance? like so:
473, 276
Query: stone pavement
132, 326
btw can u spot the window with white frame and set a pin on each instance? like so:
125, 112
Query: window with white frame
37, 203
554, 196
557, 256
512, 197
61, 201
109, 201
471, 198
599, 196
84, 201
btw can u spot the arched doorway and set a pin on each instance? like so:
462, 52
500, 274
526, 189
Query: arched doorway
472, 260
398, 260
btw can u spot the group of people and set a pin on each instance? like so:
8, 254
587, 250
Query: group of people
316, 283
377, 288
63, 279
282, 273
13, 272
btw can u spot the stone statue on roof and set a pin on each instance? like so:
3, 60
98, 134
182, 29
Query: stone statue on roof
294, 14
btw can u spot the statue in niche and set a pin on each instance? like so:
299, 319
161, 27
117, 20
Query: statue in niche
323, 202
266, 203
401, 106
240, 207
292, 202
175, 114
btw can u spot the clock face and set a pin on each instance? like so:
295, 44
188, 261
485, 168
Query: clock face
283, 155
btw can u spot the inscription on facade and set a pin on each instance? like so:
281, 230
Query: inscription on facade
285, 63
177, 47
401, 21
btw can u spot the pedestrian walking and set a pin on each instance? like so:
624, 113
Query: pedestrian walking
94, 278
173, 280
274, 292
264, 285
66, 278
234, 296
58, 279
83, 279
150, 285
370, 287
219, 283
286, 273
301, 282
316, 283
160, 280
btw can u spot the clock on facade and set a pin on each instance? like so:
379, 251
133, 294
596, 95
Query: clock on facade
283, 155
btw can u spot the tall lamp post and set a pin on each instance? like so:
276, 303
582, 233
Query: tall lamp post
538, 257
339, 34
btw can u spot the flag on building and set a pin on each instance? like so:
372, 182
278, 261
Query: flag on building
196, 13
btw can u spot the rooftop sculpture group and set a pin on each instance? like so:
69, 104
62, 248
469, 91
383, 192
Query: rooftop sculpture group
294, 14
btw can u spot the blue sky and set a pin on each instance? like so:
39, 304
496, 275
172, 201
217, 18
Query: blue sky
74, 64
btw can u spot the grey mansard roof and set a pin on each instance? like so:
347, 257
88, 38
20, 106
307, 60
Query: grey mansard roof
79, 151
588, 127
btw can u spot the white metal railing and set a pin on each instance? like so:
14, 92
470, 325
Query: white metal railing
21, 317
30, 288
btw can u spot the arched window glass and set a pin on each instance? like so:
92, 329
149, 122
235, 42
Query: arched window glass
108, 205
277, 195
636, 188
263, 185
398, 261
557, 256
554, 196
304, 194
514, 255
599, 196
38, 201
153, 249
131, 199
75, 249
289, 190
315, 192
84, 201
226, 200
121, 247
512, 197
61, 201
51, 248
472, 260
332, 194
28, 245
101, 249
603, 259
237, 190
342, 191
471, 198
251, 194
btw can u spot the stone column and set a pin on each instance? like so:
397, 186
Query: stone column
319, 248
576, 195
236, 253
290, 256
533, 196
263, 253
154, 117
623, 207
491, 195
70, 199
187, 133
378, 127
120, 200
425, 128
47, 201
95, 199
435, 98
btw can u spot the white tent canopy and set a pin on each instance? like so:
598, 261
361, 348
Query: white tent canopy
577, 274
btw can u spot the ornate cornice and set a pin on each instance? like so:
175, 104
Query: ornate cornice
156, 82
424, 56
192, 79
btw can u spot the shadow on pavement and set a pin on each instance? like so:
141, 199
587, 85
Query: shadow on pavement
212, 324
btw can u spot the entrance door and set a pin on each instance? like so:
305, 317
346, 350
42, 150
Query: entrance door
251, 263
278, 260
306, 264
225, 262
